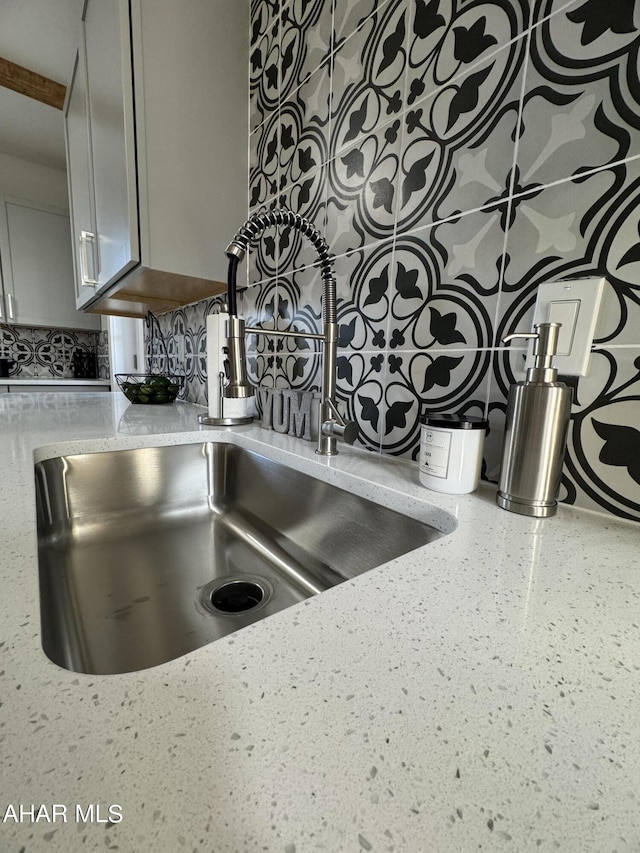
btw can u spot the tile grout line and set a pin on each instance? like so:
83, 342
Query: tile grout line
514, 164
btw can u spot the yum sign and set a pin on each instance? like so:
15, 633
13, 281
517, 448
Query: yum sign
286, 411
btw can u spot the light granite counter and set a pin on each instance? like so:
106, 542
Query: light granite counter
481, 693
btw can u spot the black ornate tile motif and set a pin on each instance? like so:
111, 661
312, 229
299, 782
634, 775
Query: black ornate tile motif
264, 60
363, 190
455, 50
584, 227
581, 107
544, 242
446, 284
360, 393
349, 16
368, 75
456, 154
264, 164
259, 306
46, 353
603, 462
475, 167
304, 129
364, 289
102, 355
305, 43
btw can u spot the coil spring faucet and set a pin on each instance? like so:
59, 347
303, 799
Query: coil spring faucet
331, 425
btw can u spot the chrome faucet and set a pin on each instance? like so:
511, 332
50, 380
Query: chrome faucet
331, 425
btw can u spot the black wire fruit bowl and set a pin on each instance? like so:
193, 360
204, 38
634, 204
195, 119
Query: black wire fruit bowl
149, 388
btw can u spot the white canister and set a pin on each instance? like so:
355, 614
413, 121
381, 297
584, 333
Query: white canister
451, 452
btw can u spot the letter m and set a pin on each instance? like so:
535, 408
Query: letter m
84, 817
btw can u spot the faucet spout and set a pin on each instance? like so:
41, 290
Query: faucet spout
331, 424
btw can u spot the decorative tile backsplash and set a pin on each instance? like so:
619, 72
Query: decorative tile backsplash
41, 353
455, 155
177, 345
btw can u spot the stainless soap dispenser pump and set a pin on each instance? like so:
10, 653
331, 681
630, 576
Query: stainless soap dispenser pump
538, 412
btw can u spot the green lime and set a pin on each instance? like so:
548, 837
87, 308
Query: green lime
159, 381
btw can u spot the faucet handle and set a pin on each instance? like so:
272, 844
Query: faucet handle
338, 427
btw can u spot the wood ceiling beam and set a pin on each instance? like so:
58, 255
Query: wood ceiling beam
32, 85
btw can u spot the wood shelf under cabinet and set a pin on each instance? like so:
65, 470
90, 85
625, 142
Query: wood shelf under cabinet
158, 292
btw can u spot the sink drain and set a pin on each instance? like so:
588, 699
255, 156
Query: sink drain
235, 596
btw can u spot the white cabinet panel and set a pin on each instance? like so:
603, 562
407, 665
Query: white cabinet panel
108, 55
80, 179
37, 267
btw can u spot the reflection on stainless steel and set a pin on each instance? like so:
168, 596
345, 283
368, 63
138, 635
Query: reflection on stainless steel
133, 544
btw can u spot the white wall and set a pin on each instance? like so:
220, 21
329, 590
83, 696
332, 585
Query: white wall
30, 180
126, 345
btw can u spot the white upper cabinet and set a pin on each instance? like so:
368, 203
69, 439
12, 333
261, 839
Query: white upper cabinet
157, 136
100, 152
80, 179
37, 267
106, 27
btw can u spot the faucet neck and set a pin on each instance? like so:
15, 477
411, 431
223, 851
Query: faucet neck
251, 232
330, 426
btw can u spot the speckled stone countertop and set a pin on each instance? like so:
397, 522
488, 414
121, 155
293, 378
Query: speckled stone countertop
481, 693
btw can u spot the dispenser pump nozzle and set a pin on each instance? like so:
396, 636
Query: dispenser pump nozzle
545, 338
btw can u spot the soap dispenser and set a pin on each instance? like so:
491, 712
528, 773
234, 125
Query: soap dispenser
538, 412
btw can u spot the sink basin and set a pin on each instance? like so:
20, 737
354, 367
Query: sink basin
147, 554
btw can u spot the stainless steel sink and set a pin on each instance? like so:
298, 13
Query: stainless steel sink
147, 554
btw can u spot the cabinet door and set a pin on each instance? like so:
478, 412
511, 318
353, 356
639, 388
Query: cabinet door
110, 94
80, 179
38, 268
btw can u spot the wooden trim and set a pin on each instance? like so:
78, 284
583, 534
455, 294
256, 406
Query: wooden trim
32, 85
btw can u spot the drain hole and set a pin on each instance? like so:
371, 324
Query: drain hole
237, 596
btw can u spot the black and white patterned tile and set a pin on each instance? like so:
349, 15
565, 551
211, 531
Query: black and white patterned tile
447, 282
602, 466
369, 76
258, 305
46, 353
363, 190
581, 107
305, 129
349, 17
305, 41
307, 196
584, 227
360, 393
467, 54
474, 168
264, 164
264, 61
455, 155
